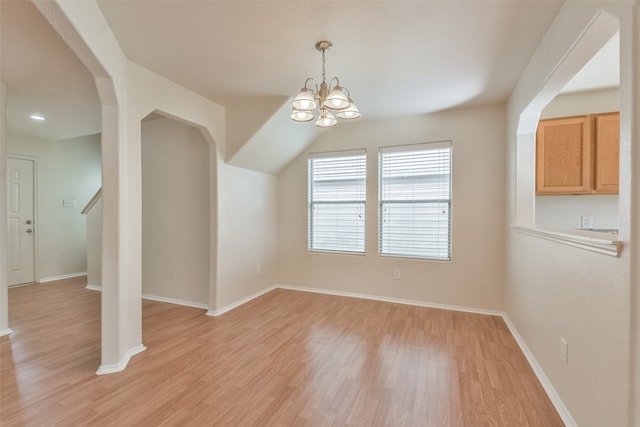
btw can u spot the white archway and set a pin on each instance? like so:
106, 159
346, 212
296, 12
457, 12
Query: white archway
599, 32
127, 93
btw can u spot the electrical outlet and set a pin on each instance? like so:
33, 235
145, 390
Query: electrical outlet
66, 203
172, 275
258, 268
396, 274
564, 348
586, 221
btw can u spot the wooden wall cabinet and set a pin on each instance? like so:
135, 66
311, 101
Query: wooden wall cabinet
607, 169
578, 155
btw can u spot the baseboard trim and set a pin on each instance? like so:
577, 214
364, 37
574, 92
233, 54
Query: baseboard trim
239, 302
4, 332
393, 300
563, 411
160, 299
117, 367
21, 285
176, 301
61, 277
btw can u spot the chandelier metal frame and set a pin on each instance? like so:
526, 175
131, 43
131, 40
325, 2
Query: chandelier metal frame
326, 98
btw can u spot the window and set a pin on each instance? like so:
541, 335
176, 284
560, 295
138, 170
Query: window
415, 201
337, 194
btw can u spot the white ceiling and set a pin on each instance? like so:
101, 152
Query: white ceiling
602, 71
43, 76
395, 57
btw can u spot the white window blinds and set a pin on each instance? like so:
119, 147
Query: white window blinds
415, 201
337, 195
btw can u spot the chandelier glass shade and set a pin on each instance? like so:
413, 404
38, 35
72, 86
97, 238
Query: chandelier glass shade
323, 100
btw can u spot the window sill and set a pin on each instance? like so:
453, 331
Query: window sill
591, 241
326, 251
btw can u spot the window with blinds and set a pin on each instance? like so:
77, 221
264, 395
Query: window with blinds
337, 195
415, 201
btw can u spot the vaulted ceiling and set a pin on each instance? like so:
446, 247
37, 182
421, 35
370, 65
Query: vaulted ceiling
395, 57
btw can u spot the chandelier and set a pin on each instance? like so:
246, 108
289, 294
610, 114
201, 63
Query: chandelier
330, 97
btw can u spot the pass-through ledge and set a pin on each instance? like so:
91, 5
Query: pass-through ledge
604, 243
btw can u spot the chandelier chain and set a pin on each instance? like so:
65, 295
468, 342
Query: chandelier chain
323, 62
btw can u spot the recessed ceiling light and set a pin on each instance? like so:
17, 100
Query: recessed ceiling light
37, 117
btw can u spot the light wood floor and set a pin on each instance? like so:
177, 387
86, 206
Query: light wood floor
285, 359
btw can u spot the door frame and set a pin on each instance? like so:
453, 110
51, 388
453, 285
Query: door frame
36, 217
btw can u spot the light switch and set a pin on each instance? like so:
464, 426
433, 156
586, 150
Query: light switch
67, 203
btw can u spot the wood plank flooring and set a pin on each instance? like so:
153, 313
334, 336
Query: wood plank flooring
285, 359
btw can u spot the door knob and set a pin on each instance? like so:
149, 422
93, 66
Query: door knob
29, 222
29, 230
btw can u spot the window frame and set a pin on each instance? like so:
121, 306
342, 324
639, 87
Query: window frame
381, 200
311, 227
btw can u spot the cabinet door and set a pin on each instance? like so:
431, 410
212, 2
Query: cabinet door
563, 156
607, 153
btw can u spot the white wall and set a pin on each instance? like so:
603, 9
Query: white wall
247, 229
565, 211
175, 211
555, 290
94, 245
4, 253
175, 221
576, 104
474, 277
66, 170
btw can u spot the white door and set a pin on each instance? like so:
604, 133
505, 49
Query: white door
21, 224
